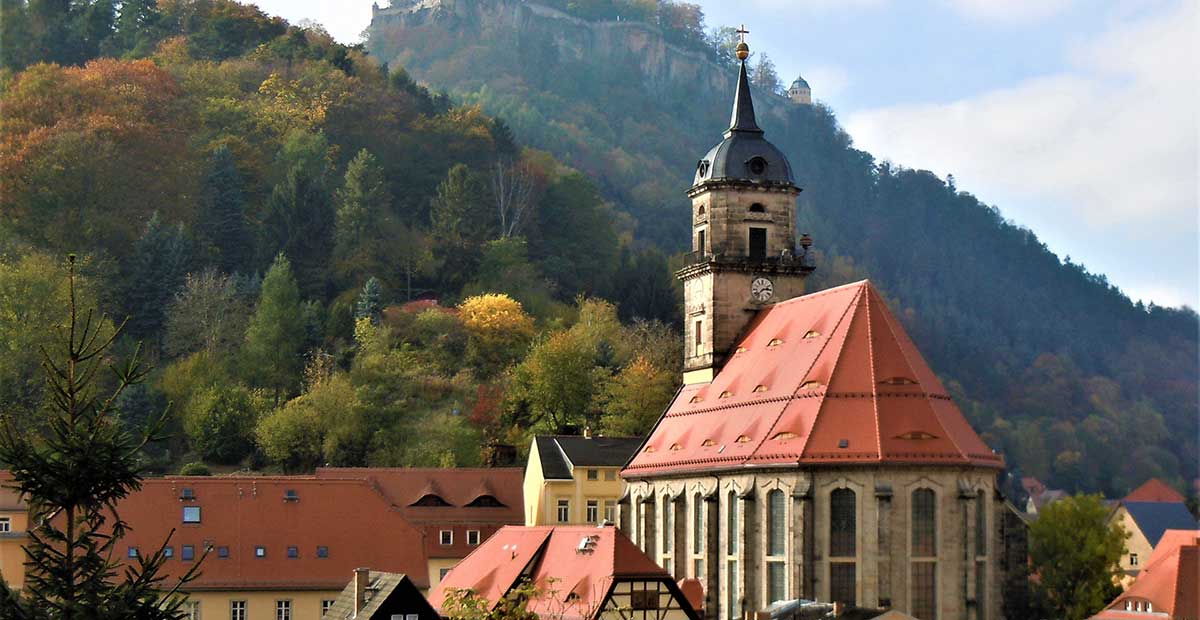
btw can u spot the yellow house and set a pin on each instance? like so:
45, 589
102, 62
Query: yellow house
572, 480
1145, 522
14, 521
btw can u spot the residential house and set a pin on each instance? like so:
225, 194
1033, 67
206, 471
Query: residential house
582, 573
14, 522
1146, 513
1168, 587
373, 595
273, 548
573, 480
455, 509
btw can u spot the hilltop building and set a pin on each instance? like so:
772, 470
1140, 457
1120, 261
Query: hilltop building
812, 453
455, 509
1168, 588
799, 92
1146, 513
585, 573
573, 480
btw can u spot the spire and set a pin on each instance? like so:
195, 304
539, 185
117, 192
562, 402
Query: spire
743, 106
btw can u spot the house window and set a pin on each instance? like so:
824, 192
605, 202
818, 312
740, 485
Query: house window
168, 552
446, 537
924, 553
776, 546
593, 474
592, 512
843, 528
610, 474
5, 525
758, 243
293, 552
260, 551
610, 510
237, 610
187, 553
283, 610
193, 610
643, 599
326, 605
222, 552
1133, 559
322, 551
191, 514
442, 572
564, 510
472, 537
132, 553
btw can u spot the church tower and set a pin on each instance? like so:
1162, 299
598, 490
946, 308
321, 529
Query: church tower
743, 237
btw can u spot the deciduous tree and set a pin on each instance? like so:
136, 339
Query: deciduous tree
1075, 554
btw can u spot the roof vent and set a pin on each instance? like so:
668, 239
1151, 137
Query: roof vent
587, 544
676, 447
917, 435
760, 388
186, 493
812, 333
290, 495
774, 343
740, 350
696, 399
810, 385
743, 439
784, 436
708, 443
843, 443
726, 394
649, 449
898, 381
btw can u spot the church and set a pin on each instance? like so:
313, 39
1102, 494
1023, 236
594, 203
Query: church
811, 452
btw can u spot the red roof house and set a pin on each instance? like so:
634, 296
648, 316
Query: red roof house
828, 378
1154, 490
455, 509
271, 533
584, 573
1167, 587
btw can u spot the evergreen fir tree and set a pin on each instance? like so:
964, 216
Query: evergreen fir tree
299, 224
274, 339
73, 475
368, 304
152, 274
365, 232
222, 224
461, 221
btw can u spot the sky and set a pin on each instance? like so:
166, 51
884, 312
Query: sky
1078, 119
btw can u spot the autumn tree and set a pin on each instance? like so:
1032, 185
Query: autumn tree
634, 398
209, 313
1075, 553
499, 330
74, 474
274, 339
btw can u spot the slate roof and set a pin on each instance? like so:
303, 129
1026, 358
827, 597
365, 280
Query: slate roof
730, 159
381, 587
1154, 518
558, 453
350, 518
827, 378
1154, 490
1170, 581
581, 571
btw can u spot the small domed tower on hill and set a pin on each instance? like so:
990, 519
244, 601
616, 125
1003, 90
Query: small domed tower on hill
800, 92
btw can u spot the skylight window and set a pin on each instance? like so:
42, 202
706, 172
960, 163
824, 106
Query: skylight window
676, 447
812, 333
760, 388
785, 435
696, 399
743, 439
191, 514
708, 443
726, 394
810, 385
774, 343
260, 551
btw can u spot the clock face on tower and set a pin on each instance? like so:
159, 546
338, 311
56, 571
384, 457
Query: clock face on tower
761, 290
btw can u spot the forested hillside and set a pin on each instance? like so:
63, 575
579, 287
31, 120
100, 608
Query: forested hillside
325, 262
1057, 368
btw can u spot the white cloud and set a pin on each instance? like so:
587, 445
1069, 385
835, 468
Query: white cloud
1100, 160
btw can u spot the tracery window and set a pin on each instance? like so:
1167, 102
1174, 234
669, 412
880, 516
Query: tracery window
981, 551
698, 534
733, 601
924, 554
843, 528
776, 546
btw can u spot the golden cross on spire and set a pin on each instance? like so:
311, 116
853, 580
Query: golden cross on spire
742, 32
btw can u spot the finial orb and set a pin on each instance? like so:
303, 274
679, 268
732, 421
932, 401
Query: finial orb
742, 51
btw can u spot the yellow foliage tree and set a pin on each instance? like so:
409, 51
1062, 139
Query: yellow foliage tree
498, 328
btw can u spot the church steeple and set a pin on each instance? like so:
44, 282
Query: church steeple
743, 107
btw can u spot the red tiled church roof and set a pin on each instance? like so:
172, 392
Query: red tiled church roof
1154, 490
829, 377
350, 519
574, 565
1170, 581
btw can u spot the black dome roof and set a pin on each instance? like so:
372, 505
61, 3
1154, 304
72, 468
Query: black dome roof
744, 154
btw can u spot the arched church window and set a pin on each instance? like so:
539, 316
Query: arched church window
776, 546
733, 602
981, 539
698, 536
757, 208
843, 526
924, 554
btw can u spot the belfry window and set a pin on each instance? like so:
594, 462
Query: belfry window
758, 243
757, 208
701, 241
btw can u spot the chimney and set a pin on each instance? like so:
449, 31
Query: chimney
362, 578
